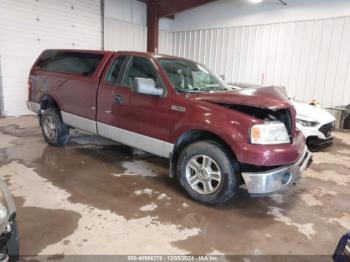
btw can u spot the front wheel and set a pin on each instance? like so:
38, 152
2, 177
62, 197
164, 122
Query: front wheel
207, 173
13, 244
54, 130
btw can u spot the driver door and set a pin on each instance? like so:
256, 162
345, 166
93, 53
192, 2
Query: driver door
137, 120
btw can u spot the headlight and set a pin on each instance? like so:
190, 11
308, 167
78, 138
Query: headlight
3, 206
333, 125
270, 133
3, 211
307, 123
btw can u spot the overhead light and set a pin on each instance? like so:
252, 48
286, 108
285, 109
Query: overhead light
256, 1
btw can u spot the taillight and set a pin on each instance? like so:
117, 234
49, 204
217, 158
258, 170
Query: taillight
30, 86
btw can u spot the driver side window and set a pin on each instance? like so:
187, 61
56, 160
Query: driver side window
140, 67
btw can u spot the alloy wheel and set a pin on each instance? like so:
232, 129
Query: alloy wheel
203, 174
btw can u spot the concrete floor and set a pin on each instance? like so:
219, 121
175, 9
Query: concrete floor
96, 197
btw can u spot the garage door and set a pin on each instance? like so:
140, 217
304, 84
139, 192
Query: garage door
28, 27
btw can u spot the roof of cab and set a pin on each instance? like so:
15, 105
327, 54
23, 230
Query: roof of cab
150, 55
147, 54
81, 51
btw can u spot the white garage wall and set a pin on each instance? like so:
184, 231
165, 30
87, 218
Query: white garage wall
166, 42
1, 95
126, 27
229, 13
303, 46
130, 11
29, 26
120, 35
251, 43
310, 58
124, 36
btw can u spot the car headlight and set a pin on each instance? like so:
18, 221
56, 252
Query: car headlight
3, 211
3, 206
307, 123
333, 125
269, 133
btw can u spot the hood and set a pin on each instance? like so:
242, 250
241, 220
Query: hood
272, 98
312, 113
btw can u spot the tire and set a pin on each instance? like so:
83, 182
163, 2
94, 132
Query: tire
211, 170
55, 132
13, 243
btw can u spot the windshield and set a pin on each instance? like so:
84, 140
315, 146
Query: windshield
187, 76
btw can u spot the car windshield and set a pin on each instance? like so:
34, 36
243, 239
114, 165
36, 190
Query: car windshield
187, 76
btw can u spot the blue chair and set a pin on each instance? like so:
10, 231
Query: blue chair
342, 252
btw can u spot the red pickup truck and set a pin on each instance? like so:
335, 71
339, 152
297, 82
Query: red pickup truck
216, 138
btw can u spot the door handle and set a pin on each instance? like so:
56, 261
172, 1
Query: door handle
118, 99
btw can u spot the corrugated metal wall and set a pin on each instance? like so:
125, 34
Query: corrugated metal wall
131, 11
126, 27
120, 35
166, 42
310, 58
28, 27
1, 92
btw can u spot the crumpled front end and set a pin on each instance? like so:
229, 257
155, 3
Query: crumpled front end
271, 152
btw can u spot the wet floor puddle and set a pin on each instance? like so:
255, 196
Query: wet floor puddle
92, 187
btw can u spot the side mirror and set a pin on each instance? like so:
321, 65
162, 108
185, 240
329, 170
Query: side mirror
146, 86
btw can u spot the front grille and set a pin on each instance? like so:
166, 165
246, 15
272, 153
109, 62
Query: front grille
327, 129
286, 116
286, 119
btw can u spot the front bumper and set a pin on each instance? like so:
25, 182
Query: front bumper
322, 131
316, 142
270, 155
265, 183
8, 228
32, 106
9, 242
314, 133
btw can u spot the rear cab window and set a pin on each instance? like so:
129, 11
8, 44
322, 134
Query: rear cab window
77, 63
114, 73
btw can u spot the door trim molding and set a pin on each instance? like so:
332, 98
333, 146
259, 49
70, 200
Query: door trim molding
146, 143
79, 122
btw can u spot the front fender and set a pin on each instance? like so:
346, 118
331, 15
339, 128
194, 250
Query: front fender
231, 126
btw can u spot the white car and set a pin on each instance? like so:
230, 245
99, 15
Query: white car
315, 123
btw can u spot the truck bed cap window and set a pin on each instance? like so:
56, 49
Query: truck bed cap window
79, 63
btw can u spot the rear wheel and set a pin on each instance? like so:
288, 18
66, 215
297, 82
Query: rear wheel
54, 130
207, 173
